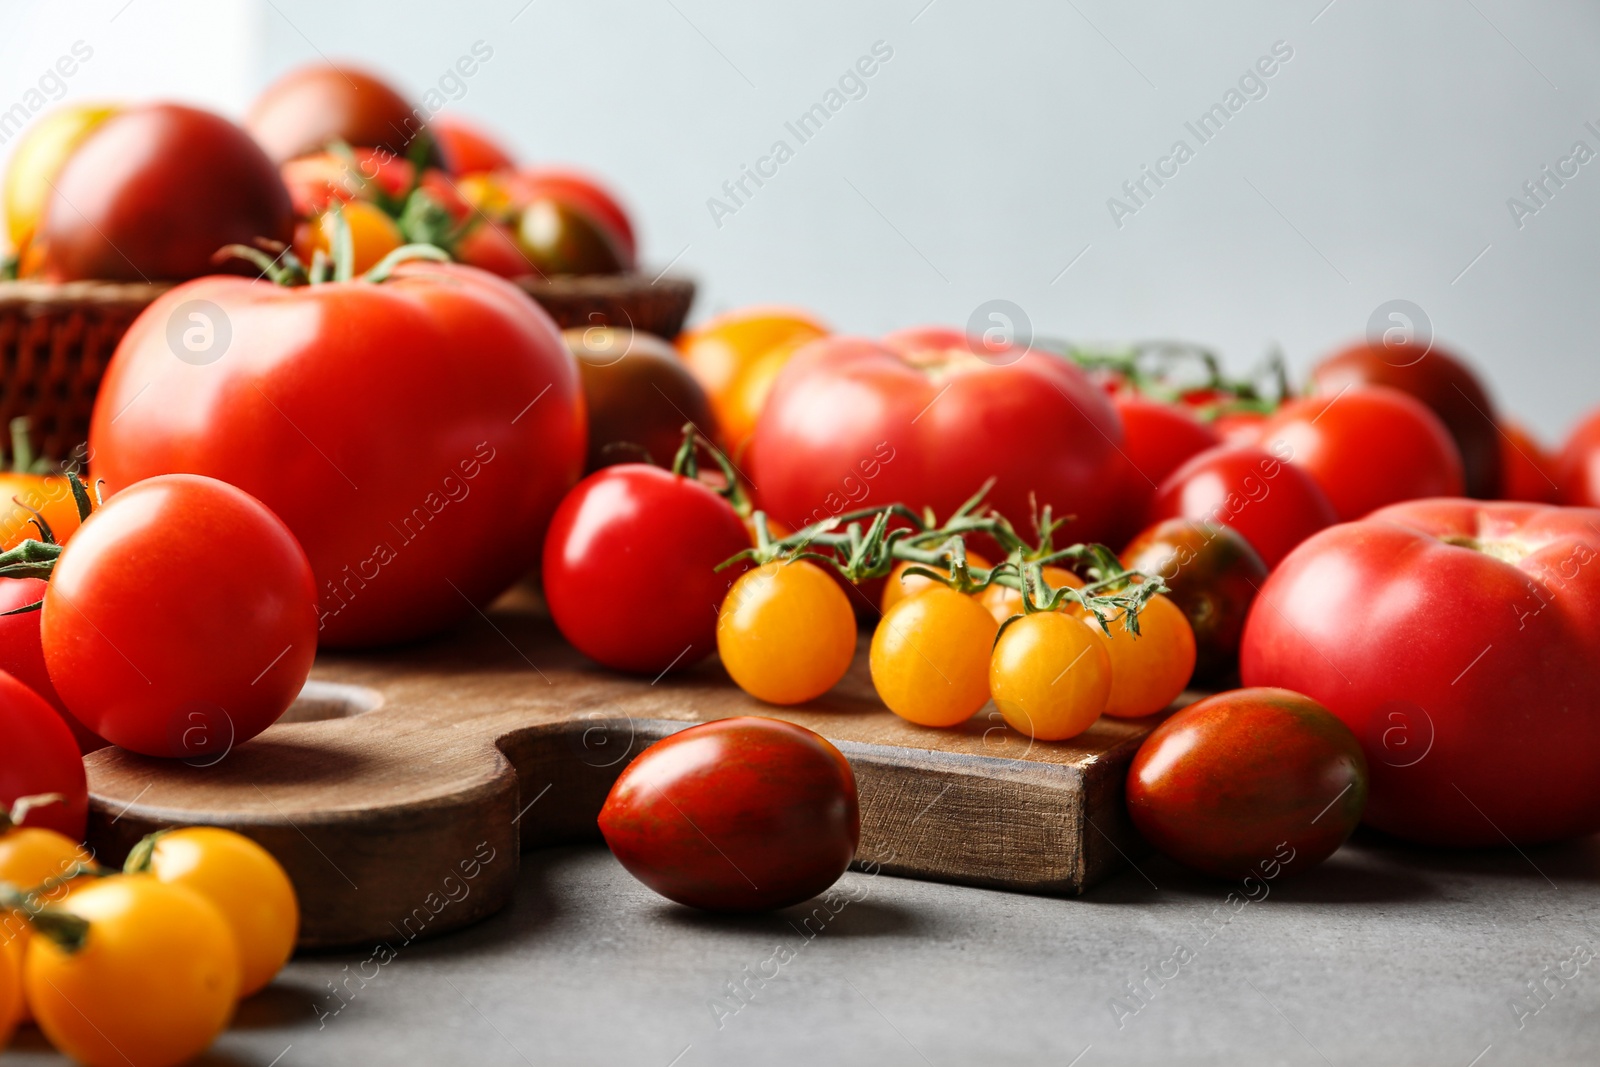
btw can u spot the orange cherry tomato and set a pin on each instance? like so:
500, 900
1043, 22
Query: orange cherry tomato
1148, 671
900, 585
29, 856
1004, 602
245, 883
373, 234
786, 632
930, 657
48, 494
738, 355
12, 1001
1050, 675
154, 982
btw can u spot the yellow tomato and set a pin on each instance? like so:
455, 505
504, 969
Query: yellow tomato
38, 159
737, 355
154, 983
786, 633
373, 234
1004, 602
1150, 670
247, 885
930, 657
899, 585
49, 494
29, 856
11, 998
1050, 676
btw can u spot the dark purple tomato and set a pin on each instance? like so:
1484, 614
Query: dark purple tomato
742, 814
639, 394
560, 238
1213, 574
154, 192
630, 567
1249, 782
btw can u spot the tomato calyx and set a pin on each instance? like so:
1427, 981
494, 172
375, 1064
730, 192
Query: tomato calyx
36, 558
278, 263
1182, 372
141, 857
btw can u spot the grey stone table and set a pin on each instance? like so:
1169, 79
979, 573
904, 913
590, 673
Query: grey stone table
1384, 955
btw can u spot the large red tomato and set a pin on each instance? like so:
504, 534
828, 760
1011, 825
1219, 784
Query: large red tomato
22, 654
1578, 466
741, 814
154, 192
39, 756
1272, 504
630, 567
1458, 640
1441, 381
200, 646
1158, 438
416, 435
314, 106
1367, 447
923, 419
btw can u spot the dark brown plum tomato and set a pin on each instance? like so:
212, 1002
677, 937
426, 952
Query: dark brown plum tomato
639, 394
741, 814
154, 192
1213, 574
1444, 383
1249, 782
559, 238
314, 106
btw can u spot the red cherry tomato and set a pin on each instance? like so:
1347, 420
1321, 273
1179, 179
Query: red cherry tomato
1527, 469
1439, 380
1367, 447
742, 814
468, 149
199, 647
1240, 427
1252, 782
1272, 504
1158, 437
154, 192
22, 654
630, 567
925, 420
416, 435
583, 192
1578, 465
39, 756
314, 106
492, 247
1458, 640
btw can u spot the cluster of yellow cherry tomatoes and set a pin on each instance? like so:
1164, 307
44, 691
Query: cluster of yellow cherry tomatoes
208, 909
787, 633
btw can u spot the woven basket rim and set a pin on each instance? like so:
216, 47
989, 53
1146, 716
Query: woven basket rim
629, 283
69, 295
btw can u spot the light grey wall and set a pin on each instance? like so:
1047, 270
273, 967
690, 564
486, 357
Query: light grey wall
979, 162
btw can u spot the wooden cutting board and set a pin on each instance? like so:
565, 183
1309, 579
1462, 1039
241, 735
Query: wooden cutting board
401, 787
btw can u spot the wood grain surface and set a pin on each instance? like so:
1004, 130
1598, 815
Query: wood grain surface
401, 787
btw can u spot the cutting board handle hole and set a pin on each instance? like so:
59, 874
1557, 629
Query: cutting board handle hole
321, 701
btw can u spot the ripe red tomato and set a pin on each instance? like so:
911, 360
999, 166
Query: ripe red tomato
1158, 439
742, 814
1527, 469
1458, 640
583, 192
924, 420
1271, 503
1367, 447
39, 756
200, 646
22, 654
1578, 465
314, 106
630, 567
468, 149
154, 192
1249, 782
1442, 382
416, 435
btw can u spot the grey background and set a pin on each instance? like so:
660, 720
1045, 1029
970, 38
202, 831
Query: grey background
979, 163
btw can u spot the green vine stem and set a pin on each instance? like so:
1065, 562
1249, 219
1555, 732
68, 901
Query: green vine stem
10, 820
279, 265
1173, 370
687, 464
67, 930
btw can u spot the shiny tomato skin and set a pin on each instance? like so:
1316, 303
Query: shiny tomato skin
22, 653
468, 149
154, 192
1367, 447
416, 435
1527, 468
313, 106
1159, 437
741, 814
584, 192
191, 651
40, 756
1578, 464
1441, 381
923, 420
1457, 639
1272, 504
639, 395
1249, 782
630, 567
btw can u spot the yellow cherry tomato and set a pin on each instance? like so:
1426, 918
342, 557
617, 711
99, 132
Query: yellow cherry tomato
39, 157
737, 355
930, 657
12, 1001
30, 855
1050, 676
1150, 670
373, 234
900, 585
247, 885
1004, 602
153, 984
786, 633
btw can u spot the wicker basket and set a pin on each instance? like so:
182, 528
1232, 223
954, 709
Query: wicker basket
635, 301
55, 342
